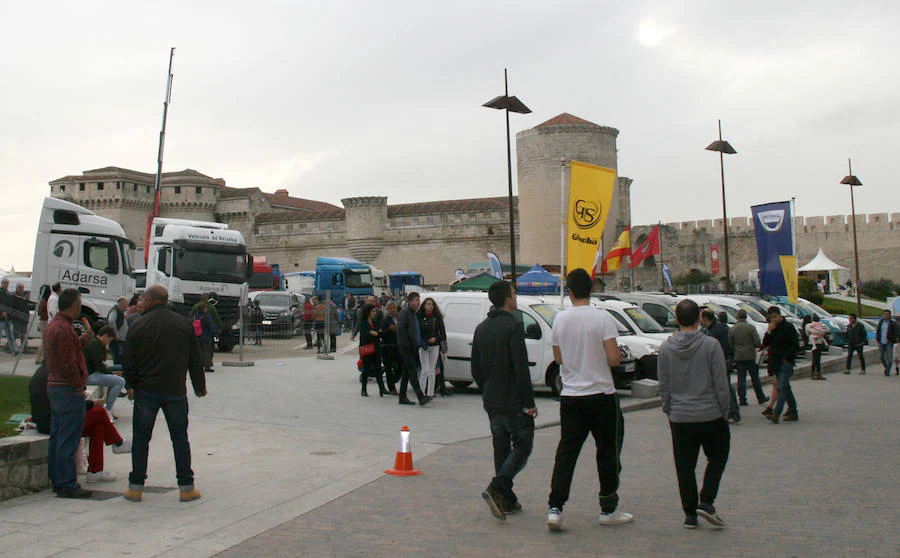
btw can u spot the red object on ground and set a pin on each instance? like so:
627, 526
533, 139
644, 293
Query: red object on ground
100, 430
403, 463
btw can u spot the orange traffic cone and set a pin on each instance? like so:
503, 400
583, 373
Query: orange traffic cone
403, 465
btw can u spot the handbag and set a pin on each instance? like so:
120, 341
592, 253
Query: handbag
367, 350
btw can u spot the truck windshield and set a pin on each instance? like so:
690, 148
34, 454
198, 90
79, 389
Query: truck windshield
126, 247
262, 280
358, 279
207, 265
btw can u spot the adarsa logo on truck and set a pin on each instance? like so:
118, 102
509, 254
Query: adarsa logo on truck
81, 278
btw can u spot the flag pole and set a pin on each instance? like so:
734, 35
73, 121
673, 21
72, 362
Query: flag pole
562, 231
630, 267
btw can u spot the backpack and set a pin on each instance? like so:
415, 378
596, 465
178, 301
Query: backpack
198, 325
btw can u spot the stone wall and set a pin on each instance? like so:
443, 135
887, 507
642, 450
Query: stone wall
23, 465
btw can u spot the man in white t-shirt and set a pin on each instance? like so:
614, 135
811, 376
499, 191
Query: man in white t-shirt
584, 345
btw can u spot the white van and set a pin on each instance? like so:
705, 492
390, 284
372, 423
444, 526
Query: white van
464, 311
642, 334
731, 306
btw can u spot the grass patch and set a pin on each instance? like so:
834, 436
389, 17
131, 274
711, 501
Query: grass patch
836, 306
13, 399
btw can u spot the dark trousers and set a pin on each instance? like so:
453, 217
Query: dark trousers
600, 416
307, 332
67, 412
116, 348
687, 439
409, 374
785, 393
816, 369
745, 367
513, 437
734, 411
390, 357
175, 408
371, 369
856, 349
206, 349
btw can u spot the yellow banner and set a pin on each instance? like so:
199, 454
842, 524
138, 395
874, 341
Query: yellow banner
789, 269
590, 197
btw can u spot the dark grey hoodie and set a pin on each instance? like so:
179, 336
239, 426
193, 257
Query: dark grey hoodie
693, 381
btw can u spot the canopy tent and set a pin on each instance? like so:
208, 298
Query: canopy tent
480, 282
536, 281
824, 268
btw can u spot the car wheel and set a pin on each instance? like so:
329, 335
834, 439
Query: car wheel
460, 384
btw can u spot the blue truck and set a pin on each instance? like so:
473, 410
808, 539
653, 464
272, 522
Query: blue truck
401, 279
340, 276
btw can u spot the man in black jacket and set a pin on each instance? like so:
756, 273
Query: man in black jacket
782, 341
856, 343
160, 349
408, 341
719, 331
886, 335
500, 366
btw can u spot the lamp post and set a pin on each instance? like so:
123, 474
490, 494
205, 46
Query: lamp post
851, 180
509, 104
723, 147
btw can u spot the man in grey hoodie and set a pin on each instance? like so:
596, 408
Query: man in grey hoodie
693, 386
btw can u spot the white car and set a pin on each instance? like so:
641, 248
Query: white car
730, 306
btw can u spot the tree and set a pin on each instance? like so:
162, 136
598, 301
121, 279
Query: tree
693, 277
879, 289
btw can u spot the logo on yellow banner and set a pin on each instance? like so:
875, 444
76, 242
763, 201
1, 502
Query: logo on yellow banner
590, 197
585, 213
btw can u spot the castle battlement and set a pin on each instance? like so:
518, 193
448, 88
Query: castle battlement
872, 222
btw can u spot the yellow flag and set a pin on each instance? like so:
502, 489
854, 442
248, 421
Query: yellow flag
590, 197
789, 269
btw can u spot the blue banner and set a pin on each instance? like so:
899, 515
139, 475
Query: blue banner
772, 222
667, 275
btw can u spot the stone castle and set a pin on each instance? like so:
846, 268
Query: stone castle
435, 238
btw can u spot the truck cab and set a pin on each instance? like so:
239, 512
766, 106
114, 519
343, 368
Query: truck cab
79, 249
340, 276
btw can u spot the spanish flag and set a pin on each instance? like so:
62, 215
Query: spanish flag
622, 248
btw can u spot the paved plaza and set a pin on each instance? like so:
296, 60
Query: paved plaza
290, 459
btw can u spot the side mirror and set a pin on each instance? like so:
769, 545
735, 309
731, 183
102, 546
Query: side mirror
533, 331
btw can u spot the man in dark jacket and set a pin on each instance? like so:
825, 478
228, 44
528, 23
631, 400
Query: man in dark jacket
500, 366
719, 331
782, 341
856, 343
160, 349
408, 341
886, 335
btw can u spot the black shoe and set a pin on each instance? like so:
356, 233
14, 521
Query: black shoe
405, 401
363, 392
494, 502
767, 411
764, 400
425, 400
78, 492
772, 417
790, 417
690, 522
511, 509
209, 370
743, 403
708, 512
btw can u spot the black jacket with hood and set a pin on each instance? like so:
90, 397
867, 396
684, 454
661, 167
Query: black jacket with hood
500, 364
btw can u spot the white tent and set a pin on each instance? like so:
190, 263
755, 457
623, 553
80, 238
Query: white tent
823, 265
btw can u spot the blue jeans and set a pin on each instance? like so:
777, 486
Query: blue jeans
886, 352
67, 411
111, 382
6, 329
175, 408
513, 437
785, 393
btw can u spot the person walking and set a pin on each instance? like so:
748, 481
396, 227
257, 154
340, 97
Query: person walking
319, 314
408, 341
66, 383
782, 341
815, 333
585, 349
369, 351
332, 325
99, 374
53, 301
255, 317
309, 320
886, 335
6, 313
116, 320
390, 354
719, 331
500, 367
743, 340
433, 335
693, 387
204, 329
211, 300
856, 343
160, 350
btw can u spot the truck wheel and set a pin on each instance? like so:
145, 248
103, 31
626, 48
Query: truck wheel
554, 380
460, 384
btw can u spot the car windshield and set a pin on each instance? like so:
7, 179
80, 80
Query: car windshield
621, 326
730, 313
195, 265
811, 308
752, 313
546, 311
273, 299
644, 321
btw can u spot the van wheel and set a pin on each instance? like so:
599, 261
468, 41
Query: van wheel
554, 380
460, 384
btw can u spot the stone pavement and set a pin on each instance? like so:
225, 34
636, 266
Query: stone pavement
825, 486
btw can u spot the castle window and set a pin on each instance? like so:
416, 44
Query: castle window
99, 185
118, 185
177, 189
148, 188
62, 187
135, 187
198, 189
81, 186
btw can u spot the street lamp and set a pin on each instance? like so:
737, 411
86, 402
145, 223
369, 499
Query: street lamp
723, 147
509, 104
851, 180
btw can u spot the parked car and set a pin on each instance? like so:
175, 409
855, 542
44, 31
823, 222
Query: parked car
657, 305
282, 312
647, 334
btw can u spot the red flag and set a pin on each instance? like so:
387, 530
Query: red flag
650, 247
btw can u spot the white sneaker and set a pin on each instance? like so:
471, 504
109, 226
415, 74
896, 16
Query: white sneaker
617, 517
124, 448
554, 519
102, 476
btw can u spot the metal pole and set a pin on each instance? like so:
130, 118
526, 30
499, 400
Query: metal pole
159, 156
662, 282
562, 232
630, 268
512, 225
855, 248
724, 214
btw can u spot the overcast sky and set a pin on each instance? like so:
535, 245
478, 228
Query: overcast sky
336, 99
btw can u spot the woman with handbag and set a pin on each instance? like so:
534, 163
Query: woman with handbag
815, 332
369, 351
432, 337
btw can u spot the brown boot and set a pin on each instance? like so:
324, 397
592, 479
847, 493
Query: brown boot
133, 495
188, 495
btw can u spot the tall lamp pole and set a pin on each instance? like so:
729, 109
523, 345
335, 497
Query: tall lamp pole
723, 147
851, 180
509, 104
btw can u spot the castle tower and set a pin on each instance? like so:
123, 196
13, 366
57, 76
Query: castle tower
538, 154
366, 219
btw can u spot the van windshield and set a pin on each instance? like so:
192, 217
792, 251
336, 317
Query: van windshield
644, 321
546, 311
206, 265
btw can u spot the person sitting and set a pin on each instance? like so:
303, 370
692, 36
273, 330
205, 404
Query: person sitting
99, 373
97, 426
